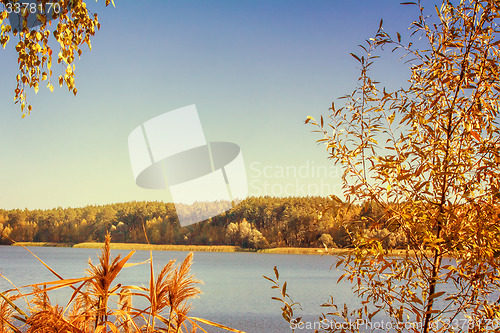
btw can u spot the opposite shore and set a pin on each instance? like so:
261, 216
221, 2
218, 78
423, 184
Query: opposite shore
196, 248
193, 248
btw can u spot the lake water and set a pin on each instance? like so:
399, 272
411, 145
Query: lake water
234, 291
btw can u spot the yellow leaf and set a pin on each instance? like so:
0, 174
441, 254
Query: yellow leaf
475, 135
391, 118
309, 118
436, 295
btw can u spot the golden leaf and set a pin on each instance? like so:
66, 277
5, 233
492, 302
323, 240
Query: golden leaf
475, 135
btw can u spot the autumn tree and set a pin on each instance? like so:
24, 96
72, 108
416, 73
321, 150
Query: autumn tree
245, 235
32, 23
429, 155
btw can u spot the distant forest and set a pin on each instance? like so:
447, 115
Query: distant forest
255, 223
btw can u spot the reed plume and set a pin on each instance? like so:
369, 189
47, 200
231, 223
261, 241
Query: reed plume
82, 314
102, 277
125, 309
181, 288
172, 287
50, 320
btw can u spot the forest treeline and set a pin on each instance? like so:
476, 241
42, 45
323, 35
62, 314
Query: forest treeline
256, 222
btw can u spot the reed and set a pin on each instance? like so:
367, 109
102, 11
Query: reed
166, 247
92, 307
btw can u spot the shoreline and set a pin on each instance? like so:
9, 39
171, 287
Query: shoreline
203, 248
191, 248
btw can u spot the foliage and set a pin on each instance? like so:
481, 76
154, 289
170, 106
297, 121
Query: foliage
326, 240
429, 156
244, 235
75, 26
289, 306
273, 222
90, 306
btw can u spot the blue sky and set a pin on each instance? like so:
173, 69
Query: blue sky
255, 70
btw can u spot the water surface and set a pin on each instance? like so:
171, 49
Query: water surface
234, 292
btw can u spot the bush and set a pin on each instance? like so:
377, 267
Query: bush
326, 240
244, 235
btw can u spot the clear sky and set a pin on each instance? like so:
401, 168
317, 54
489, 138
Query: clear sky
254, 68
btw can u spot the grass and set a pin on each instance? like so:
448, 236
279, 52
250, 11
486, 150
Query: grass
297, 250
153, 247
44, 244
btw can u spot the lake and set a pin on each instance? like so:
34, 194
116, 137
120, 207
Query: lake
234, 292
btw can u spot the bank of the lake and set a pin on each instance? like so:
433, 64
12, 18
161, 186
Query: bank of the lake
191, 248
201, 248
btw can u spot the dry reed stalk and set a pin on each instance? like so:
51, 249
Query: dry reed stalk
181, 287
171, 288
50, 320
125, 305
102, 277
6, 316
82, 314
